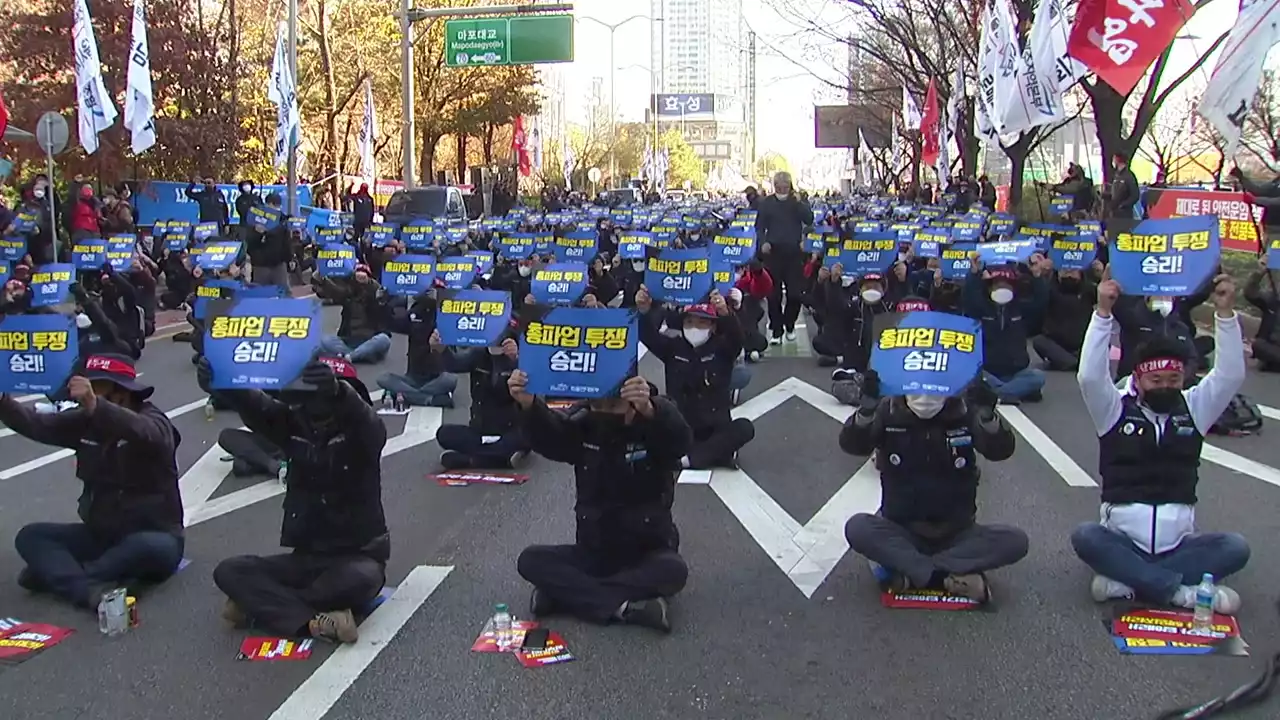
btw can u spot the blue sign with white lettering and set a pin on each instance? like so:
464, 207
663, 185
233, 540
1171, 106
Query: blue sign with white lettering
576, 246
926, 353
1171, 257
1072, 253
632, 244
265, 217
163, 200
472, 318
37, 352
514, 245
120, 252
12, 247
955, 262
218, 255
261, 343
336, 260
89, 254
578, 352
408, 274
682, 277
456, 273
51, 284
1003, 253
559, 283
380, 235
201, 232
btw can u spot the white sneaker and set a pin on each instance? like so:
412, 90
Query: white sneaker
1225, 600
791, 336
754, 356
1104, 589
735, 396
44, 408
775, 341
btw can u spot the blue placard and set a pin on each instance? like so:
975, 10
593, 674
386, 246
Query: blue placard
51, 284
966, 230
1061, 205
955, 262
579, 352
559, 283
864, 253
1273, 253
296, 224
456, 235
217, 255
814, 242
25, 222
722, 278
418, 236
1072, 253
380, 235
733, 247
926, 353
473, 318
1003, 253
514, 245
457, 273
1166, 257
37, 352
265, 216
682, 277
632, 244
866, 226
408, 274
929, 243
89, 254
201, 232
177, 234
336, 260
1000, 224
262, 343
484, 261
120, 253
325, 236
212, 289
12, 247
164, 200
576, 246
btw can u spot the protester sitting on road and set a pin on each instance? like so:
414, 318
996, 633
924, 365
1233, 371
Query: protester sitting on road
626, 453
362, 334
925, 534
270, 250
334, 521
131, 528
493, 438
252, 453
1071, 296
1143, 319
699, 367
1149, 439
516, 278
990, 297
1261, 292
425, 382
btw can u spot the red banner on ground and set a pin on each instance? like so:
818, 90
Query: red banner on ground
1172, 625
262, 649
22, 641
555, 652
1119, 39
1238, 220
927, 600
463, 478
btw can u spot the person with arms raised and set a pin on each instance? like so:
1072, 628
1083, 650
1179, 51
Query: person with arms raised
1146, 544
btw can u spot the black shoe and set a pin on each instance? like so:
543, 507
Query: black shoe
28, 581
828, 361
541, 604
1034, 397
1009, 400
648, 613
454, 460
184, 336
241, 468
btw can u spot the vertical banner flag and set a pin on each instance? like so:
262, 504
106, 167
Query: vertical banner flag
519, 146
94, 110
578, 352
139, 105
1238, 74
282, 91
1166, 257
37, 352
895, 154
910, 113
473, 318
368, 130
986, 110
1049, 33
864, 160
261, 343
926, 353
929, 126
1119, 39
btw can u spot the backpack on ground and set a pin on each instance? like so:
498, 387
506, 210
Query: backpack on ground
1242, 417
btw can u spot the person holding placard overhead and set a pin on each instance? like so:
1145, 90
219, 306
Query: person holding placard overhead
992, 297
1150, 434
362, 333
493, 438
270, 249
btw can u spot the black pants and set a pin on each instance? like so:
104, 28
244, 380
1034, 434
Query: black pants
714, 445
1267, 354
282, 593
1056, 356
786, 266
975, 549
470, 442
592, 588
253, 453
71, 561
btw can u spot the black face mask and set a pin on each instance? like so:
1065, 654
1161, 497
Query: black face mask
1069, 285
1162, 401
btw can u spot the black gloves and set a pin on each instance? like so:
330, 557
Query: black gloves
984, 400
870, 392
78, 292
204, 374
320, 376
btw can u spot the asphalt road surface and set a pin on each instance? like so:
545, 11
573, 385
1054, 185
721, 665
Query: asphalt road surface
778, 620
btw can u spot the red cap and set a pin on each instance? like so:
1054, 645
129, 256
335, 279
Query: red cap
701, 310
341, 368
1003, 273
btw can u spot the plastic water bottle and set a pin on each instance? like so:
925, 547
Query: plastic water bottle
113, 613
1202, 623
282, 473
209, 410
502, 628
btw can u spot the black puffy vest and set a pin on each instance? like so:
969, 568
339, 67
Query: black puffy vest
1136, 468
928, 468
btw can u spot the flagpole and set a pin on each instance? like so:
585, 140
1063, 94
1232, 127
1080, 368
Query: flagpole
292, 187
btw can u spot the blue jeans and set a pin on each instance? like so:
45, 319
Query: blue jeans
370, 351
71, 561
437, 392
1155, 578
740, 377
1019, 385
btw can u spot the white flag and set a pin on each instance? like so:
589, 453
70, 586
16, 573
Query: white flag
1238, 74
910, 113
1050, 31
282, 91
864, 159
368, 131
139, 105
988, 62
895, 153
950, 124
1020, 102
535, 156
94, 110
567, 160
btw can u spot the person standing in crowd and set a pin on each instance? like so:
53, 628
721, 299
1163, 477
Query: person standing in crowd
990, 296
270, 250
1070, 306
131, 527
1123, 195
1261, 292
117, 214
926, 533
986, 193
626, 452
246, 200
493, 438
1265, 195
700, 365
425, 382
1150, 434
334, 520
780, 226
84, 212
362, 334
40, 238
361, 209
208, 199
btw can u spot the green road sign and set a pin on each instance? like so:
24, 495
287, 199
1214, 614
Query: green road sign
514, 40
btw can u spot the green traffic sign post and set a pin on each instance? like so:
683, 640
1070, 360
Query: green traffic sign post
514, 40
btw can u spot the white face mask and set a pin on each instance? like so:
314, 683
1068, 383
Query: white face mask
926, 406
83, 322
1002, 296
637, 265
846, 280
38, 194
1164, 306
902, 257
871, 295
525, 270
697, 337
783, 196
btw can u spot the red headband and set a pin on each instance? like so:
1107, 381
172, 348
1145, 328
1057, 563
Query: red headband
341, 368
111, 366
1160, 364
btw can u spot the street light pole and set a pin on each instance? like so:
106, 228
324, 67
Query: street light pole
292, 182
613, 109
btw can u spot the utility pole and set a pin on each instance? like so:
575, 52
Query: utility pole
751, 102
292, 187
613, 108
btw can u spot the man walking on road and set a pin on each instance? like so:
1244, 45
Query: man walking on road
780, 225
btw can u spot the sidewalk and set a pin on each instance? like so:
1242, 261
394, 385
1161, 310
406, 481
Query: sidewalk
172, 322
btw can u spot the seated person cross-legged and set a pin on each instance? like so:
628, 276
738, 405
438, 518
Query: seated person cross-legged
1150, 434
926, 448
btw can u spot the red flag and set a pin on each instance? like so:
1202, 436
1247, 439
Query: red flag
1119, 39
4, 117
929, 126
518, 146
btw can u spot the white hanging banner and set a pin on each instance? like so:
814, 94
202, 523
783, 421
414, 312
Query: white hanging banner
864, 159
368, 132
94, 110
1050, 31
139, 105
911, 117
988, 61
1238, 74
282, 91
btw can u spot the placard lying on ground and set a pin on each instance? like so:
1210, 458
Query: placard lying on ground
20, 641
928, 600
462, 478
268, 648
1151, 631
